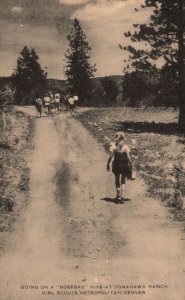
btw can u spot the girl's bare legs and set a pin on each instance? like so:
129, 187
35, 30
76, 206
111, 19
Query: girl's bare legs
123, 180
117, 183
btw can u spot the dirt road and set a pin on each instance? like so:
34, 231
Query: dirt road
72, 237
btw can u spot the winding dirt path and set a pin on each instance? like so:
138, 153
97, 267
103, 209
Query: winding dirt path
72, 232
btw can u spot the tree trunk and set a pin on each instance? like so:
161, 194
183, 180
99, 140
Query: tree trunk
181, 90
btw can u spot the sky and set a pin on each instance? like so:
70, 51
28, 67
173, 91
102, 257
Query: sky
44, 25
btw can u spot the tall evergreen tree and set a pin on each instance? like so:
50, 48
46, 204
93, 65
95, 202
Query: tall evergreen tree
163, 37
78, 70
29, 79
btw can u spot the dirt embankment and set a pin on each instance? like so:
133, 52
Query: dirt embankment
157, 149
15, 143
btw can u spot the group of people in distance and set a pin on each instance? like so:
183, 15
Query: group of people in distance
56, 101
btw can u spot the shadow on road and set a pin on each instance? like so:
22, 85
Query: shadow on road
142, 127
43, 116
114, 200
62, 181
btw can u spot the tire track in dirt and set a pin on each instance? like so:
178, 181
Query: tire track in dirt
87, 234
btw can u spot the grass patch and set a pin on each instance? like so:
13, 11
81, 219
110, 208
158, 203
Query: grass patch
15, 144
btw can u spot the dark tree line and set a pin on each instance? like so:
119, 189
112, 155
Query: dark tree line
155, 88
136, 89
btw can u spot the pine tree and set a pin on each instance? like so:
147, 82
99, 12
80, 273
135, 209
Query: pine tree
29, 79
163, 38
78, 70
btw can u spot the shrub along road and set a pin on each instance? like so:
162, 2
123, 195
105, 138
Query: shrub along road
73, 233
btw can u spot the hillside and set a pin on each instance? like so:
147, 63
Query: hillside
61, 84
58, 84
96, 82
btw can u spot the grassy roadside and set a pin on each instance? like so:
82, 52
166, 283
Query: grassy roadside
158, 152
15, 144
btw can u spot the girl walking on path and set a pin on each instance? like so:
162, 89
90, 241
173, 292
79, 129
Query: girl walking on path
121, 165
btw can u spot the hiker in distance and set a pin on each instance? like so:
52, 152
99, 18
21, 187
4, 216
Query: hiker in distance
121, 164
72, 103
39, 105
